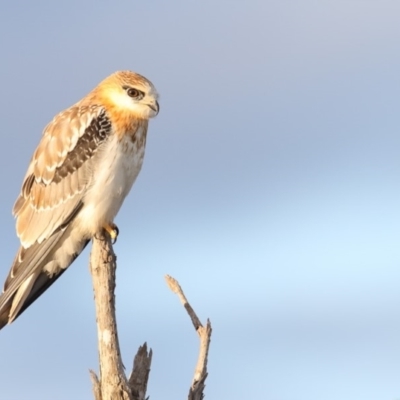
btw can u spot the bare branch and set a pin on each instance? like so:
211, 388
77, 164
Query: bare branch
113, 382
196, 391
96, 385
140, 373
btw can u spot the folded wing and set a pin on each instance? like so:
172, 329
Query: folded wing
52, 194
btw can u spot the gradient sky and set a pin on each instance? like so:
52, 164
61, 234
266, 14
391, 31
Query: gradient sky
270, 190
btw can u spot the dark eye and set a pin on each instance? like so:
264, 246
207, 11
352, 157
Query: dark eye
134, 93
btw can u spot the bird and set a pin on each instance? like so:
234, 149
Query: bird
86, 162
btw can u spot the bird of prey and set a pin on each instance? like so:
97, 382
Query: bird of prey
84, 166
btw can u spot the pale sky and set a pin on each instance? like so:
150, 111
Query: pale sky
270, 190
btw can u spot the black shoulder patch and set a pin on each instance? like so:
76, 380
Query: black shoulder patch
95, 134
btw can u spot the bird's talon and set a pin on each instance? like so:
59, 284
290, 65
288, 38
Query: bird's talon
113, 231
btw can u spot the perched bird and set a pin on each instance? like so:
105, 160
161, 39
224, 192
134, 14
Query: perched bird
85, 165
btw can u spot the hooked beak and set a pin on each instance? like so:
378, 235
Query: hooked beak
155, 107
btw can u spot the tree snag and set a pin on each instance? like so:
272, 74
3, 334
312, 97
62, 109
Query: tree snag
112, 383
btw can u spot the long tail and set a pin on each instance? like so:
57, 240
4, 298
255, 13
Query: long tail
27, 279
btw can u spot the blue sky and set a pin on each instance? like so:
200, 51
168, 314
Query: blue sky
269, 190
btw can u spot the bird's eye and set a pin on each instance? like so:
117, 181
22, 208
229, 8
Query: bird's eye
134, 93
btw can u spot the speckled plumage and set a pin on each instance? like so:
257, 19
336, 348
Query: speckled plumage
83, 168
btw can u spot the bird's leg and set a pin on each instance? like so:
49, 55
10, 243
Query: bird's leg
112, 230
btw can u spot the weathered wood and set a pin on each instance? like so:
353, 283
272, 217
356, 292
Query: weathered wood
113, 382
196, 391
140, 372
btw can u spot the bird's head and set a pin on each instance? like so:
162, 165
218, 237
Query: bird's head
129, 93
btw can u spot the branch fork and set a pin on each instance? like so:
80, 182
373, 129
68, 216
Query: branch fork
112, 383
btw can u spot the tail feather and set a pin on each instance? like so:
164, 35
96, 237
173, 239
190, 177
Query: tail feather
12, 310
33, 260
32, 281
4, 315
21, 295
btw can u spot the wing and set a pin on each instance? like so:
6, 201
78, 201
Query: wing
58, 175
51, 196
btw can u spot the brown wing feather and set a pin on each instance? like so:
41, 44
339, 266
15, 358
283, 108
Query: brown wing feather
52, 194
57, 176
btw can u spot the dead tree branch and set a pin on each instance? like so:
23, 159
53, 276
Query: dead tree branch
196, 391
113, 384
140, 373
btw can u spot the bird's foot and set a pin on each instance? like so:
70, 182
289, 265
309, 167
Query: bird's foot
112, 230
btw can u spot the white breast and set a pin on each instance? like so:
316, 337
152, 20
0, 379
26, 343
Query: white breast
114, 173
